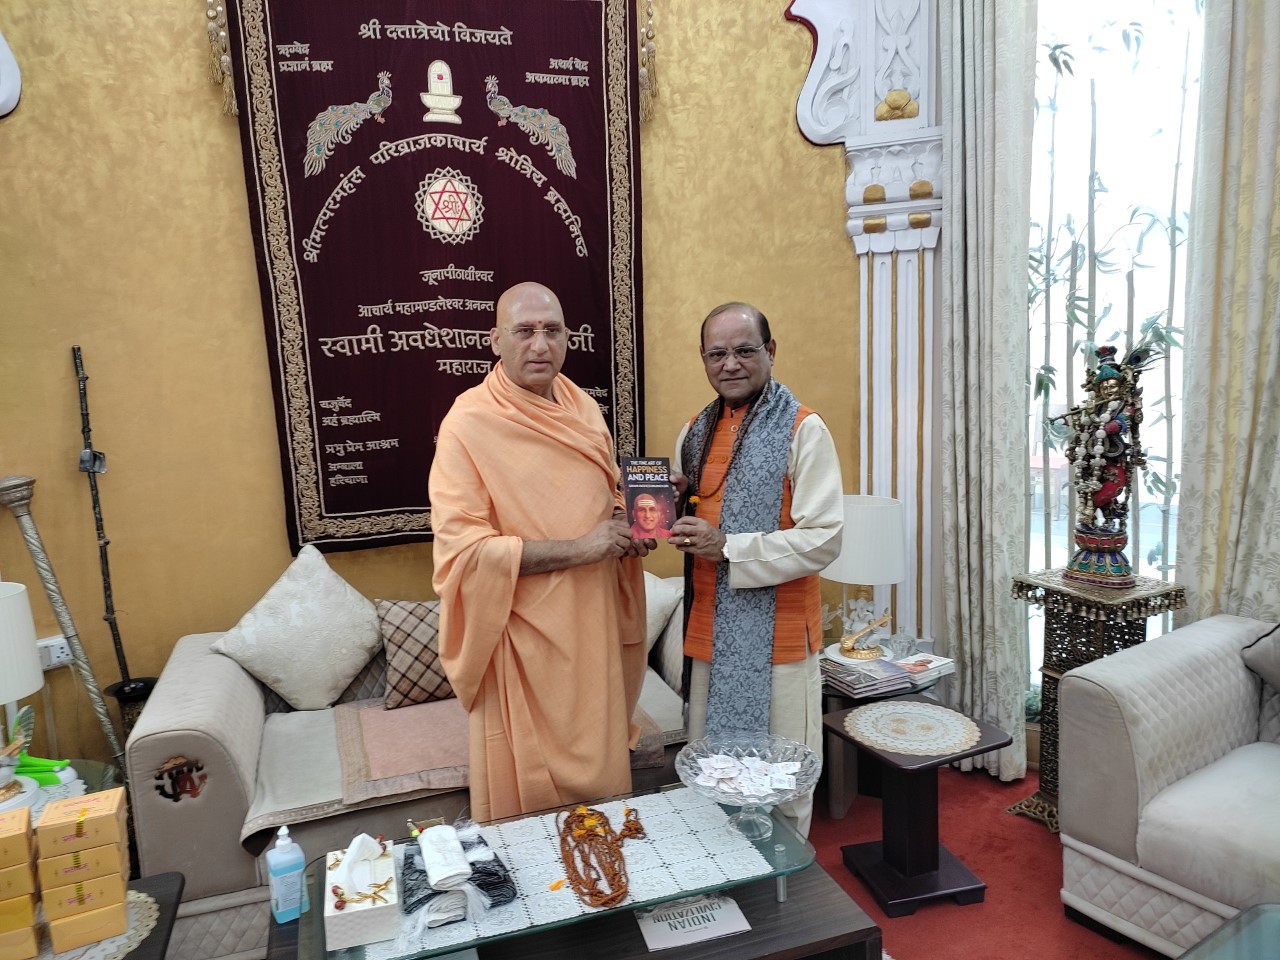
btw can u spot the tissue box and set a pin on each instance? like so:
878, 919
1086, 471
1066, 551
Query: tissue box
366, 921
15, 837
19, 944
83, 865
82, 896
78, 823
90, 927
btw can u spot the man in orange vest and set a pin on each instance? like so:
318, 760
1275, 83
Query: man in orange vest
761, 484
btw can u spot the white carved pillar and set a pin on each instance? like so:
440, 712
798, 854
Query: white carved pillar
873, 88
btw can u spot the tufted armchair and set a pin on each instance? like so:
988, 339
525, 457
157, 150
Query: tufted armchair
1169, 794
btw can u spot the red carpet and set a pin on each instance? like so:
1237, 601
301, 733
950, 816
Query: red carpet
1018, 858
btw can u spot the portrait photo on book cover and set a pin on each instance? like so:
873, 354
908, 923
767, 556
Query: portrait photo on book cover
651, 500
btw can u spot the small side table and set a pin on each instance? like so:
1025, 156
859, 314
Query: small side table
908, 865
166, 890
1082, 623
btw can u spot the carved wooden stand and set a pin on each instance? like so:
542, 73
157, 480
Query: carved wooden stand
1082, 623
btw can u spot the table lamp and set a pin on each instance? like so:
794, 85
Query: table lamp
873, 553
20, 674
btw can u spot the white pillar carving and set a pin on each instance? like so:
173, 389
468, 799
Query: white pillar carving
873, 87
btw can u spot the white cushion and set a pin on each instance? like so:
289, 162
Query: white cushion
661, 596
1263, 657
671, 652
308, 636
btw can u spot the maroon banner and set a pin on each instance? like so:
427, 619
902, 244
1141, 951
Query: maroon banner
407, 161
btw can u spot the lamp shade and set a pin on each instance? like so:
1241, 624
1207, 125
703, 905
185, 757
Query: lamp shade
874, 548
20, 671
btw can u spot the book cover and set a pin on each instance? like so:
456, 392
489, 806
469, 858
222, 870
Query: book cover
690, 920
925, 663
651, 500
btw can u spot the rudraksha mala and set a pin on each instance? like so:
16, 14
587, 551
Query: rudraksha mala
592, 854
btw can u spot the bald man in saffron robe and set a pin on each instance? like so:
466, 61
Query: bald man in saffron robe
542, 616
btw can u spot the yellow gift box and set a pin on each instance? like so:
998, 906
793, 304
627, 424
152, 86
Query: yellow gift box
90, 927
19, 944
17, 912
78, 823
15, 837
82, 896
17, 880
83, 865
369, 914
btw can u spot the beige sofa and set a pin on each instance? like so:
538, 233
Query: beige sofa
217, 761
1169, 788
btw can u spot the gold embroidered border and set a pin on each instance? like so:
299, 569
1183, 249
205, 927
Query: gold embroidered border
312, 523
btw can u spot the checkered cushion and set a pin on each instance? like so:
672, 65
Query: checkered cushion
410, 635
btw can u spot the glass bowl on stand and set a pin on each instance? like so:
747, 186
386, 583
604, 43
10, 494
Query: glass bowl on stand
752, 820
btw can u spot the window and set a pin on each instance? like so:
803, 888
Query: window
1117, 94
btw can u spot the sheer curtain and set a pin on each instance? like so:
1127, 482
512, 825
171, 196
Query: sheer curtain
1229, 555
988, 87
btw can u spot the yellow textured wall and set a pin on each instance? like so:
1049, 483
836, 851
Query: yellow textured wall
125, 230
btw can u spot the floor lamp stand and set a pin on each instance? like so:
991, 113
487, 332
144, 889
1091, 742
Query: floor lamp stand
15, 493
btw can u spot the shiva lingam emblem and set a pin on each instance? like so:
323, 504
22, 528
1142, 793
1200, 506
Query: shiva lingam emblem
857, 646
440, 100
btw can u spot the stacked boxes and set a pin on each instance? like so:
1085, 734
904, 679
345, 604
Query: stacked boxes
83, 868
18, 939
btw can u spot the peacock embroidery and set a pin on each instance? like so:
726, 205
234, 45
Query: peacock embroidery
336, 124
542, 127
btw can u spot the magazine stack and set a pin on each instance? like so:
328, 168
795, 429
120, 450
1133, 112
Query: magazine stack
866, 678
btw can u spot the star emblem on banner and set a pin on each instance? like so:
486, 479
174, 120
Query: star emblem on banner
449, 205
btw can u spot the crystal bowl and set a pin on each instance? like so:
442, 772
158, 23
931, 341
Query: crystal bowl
751, 821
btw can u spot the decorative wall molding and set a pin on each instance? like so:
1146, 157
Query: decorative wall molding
873, 87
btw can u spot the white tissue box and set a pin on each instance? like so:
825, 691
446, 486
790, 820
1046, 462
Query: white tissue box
366, 921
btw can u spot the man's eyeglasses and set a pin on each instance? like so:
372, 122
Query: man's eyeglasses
744, 353
553, 333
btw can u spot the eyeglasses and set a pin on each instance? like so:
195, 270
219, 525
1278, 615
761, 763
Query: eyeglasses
744, 353
554, 333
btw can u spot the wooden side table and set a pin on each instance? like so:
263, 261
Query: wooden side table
908, 865
1082, 623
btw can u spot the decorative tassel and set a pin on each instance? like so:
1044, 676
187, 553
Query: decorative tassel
220, 55
648, 73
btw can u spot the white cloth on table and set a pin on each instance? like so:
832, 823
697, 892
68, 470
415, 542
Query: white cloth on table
443, 857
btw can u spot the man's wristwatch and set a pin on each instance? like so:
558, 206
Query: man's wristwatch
724, 551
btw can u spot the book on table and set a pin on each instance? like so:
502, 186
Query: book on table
926, 667
864, 678
690, 920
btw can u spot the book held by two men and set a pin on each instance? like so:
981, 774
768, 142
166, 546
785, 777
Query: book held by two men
651, 500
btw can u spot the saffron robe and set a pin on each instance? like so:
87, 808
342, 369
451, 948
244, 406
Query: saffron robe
549, 666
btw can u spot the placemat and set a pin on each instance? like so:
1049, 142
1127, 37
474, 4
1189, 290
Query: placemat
688, 846
911, 727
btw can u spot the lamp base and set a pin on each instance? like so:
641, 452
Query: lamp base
863, 653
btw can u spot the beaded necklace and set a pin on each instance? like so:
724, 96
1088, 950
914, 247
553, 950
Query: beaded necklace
695, 495
592, 854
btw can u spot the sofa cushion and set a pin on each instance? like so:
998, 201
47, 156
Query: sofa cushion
661, 596
411, 637
1263, 658
308, 636
420, 746
1216, 831
670, 655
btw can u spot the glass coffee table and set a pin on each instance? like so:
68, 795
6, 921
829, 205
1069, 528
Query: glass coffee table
1250, 934
688, 850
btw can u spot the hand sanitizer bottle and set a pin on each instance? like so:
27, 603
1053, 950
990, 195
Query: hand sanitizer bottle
285, 868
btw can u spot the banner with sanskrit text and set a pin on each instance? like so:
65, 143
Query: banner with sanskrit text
407, 161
